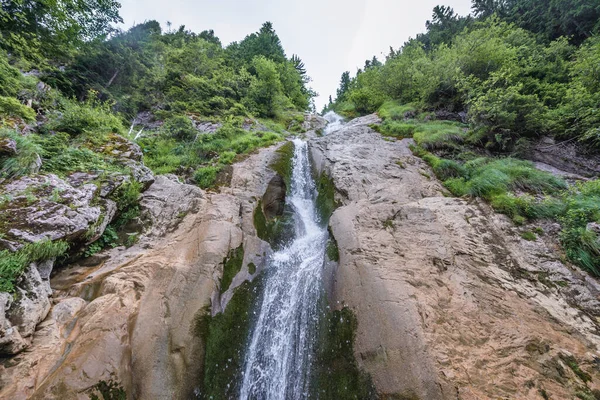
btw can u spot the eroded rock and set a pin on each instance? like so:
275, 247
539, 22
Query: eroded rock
446, 286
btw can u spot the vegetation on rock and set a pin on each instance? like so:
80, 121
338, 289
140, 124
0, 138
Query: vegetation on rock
475, 92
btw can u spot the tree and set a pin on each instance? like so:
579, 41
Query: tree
35, 29
264, 43
266, 90
344, 86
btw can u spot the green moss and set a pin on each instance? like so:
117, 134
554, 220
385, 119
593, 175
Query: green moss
338, 375
325, 202
273, 230
333, 251
284, 162
252, 268
572, 363
225, 337
232, 264
529, 236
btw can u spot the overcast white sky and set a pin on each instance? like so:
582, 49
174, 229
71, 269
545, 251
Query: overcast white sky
330, 36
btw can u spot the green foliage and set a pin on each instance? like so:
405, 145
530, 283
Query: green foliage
206, 177
486, 178
92, 117
109, 390
12, 265
180, 127
232, 264
13, 108
10, 82
38, 29
512, 84
22, 163
529, 236
392, 110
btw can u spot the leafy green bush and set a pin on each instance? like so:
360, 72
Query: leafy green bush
206, 177
12, 265
180, 127
12, 107
92, 117
26, 158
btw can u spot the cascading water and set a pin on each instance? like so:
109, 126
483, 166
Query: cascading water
281, 346
335, 120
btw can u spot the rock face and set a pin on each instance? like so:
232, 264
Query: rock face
132, 317
451, 302
567, 156
76, 209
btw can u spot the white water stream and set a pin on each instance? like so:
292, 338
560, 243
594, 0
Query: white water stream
282, 345
335, 120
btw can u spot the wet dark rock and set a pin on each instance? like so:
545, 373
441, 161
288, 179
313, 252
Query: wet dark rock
445, 115
273, 200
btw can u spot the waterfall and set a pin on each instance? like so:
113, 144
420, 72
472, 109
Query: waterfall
335, 120
281, 346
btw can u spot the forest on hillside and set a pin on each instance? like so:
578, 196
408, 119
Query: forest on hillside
64, 69
78, 96
478, 92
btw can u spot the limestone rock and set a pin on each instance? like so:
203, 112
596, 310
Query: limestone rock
166, 202
445, 286
140, 173
313, 122
11, 341
36, 216
32, 304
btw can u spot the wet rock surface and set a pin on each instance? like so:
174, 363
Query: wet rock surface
451, 302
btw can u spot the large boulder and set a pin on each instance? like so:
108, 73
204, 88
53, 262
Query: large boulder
11, 341
166, 202
46, 207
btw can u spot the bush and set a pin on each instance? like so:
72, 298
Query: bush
12, 265
206, 177
92, 117
26, 159
13, 108
180, 127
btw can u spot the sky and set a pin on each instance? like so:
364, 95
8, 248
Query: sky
330, 36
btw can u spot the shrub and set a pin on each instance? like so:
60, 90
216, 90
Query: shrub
180, 127
206, 177
24, 161
92, 117
12, 107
